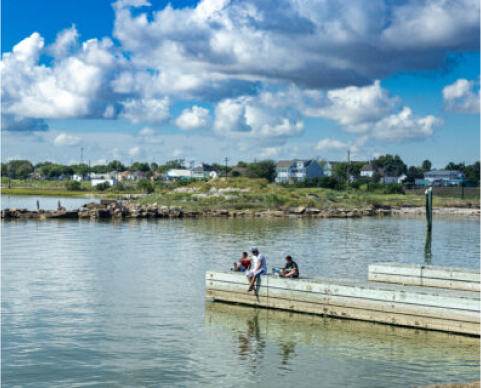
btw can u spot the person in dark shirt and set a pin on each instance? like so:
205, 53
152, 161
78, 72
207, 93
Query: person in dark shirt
290, 270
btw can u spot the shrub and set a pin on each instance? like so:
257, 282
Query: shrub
394, 188
73, 186
145, 186
103, 186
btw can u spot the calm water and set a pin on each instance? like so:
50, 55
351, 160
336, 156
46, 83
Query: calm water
122, 304
46, 202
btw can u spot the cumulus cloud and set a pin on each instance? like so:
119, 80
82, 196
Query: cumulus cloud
149, 135
245, 117
22, 124
192, 119
331, 144
262, 64
311, 43
135, 151
462, 96
64, 140
146, 110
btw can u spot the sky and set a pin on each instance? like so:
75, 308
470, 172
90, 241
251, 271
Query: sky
138, 80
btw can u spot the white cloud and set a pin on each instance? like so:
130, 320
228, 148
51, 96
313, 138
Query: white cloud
135, 151
147, 110
404, 126
64, 140
150, 136
331, 144
462, 96
245, 117
192, 119
146, 131
354, 105
66, 42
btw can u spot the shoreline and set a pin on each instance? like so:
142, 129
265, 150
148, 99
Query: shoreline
111, 209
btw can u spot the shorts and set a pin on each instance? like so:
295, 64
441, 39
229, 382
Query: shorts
262, 271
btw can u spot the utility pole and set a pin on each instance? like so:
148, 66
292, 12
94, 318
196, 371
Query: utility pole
348, 165
226, 166
89, 169
82, 155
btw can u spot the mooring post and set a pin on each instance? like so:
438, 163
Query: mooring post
429, 208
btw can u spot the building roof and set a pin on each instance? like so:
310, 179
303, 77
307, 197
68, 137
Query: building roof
204, 167
289, 163
446, 173
178, 173
368, 167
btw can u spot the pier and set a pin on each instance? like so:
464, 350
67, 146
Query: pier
416, 306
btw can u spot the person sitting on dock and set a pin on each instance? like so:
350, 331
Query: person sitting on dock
290, 270
259, 268
244, 263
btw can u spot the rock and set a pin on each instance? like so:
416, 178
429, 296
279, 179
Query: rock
312, 211
298, 210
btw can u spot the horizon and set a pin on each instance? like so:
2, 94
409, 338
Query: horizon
149, 81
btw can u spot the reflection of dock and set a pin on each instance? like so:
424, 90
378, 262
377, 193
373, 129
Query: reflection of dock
347, 337
396, 304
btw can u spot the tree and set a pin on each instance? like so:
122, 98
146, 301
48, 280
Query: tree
241, 164
81, 169
115, 165
393, 165
20, 168
426, 165
4, 169
73, 186
153, 166
145, 186
138, 166
263, 169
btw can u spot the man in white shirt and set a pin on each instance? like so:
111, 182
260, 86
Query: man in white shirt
258, 268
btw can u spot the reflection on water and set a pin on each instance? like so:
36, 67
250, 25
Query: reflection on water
122, 304
428, 254
375, 355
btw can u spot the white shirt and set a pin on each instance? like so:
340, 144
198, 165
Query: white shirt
260, 257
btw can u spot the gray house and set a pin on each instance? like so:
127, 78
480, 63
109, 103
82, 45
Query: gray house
297, 170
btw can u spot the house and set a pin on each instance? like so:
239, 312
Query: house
444, 178
290, 171
133, 176
79, 178
237, 171
328, 167
176, 174
368, 170
204, 171
103, 177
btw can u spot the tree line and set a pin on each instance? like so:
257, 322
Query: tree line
392, 165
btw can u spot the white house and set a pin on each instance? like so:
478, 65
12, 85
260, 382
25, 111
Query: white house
103, 177
176, 174
368, 171
290, 171
78, 178
204, 171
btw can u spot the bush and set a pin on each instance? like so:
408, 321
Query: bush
355, 185
394, 188
145, 186
73, 186
103, 186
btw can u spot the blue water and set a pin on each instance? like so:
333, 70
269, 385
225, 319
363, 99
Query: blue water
106, 304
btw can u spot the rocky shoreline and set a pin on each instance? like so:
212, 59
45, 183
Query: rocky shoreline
111, 209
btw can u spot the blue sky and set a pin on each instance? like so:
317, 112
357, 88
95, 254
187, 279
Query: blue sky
138, 80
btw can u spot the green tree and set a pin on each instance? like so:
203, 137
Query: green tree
139, 166
153, 166
4, 169
263, 169
115, 165
426, 166
392, 164
20, 168
73, 186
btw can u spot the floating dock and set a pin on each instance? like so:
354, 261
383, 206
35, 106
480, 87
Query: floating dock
421, 307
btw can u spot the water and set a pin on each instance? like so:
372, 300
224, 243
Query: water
122, 304
29, 202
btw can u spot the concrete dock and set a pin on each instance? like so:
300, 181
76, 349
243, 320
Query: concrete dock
425, 275
395, 304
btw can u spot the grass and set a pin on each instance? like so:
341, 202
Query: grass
264, 196
245, 194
